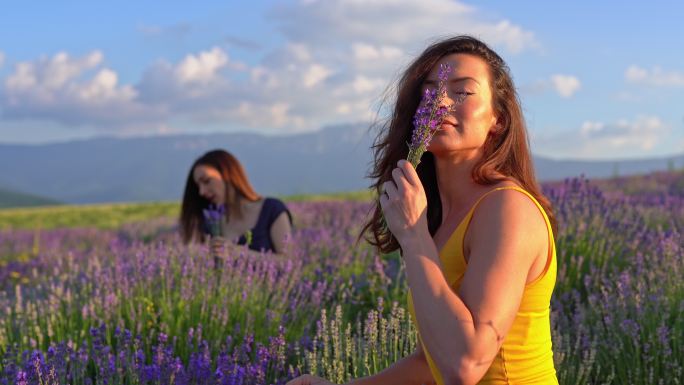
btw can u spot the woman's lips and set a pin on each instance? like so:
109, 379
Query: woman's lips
448, 123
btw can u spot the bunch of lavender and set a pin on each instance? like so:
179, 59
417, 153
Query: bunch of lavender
429, 116
213, 218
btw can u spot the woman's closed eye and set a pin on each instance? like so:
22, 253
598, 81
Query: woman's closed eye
460, 96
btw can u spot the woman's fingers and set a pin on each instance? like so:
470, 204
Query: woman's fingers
400, 180
409, 172
218, 239
216, 244
390, 189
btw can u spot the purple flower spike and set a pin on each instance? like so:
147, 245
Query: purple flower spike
429, 116
22, 378
213, 216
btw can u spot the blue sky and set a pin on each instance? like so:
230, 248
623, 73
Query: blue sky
597, 79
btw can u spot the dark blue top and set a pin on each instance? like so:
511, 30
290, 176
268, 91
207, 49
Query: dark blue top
261, 233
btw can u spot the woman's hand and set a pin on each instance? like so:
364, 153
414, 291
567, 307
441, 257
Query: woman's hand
308, 379
217, 245
404, 204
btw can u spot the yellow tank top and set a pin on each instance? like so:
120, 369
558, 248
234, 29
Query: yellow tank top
525, 356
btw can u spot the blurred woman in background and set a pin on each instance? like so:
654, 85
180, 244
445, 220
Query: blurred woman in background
217, 179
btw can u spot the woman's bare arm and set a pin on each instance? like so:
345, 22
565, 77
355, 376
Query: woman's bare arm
280, 231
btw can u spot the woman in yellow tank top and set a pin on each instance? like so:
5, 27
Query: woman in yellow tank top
474, 230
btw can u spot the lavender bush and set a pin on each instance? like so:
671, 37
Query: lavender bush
132, 305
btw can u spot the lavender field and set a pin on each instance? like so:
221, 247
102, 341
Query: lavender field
131, 305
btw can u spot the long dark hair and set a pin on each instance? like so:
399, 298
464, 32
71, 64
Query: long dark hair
233, 174
506, 151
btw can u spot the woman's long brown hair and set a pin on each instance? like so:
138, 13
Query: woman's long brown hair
506, 152
233, 174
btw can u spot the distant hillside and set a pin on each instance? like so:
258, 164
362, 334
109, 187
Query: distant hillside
656, 183
9, 198
335, 159
550, 169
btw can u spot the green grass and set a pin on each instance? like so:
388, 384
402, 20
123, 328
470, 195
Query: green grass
111, 216
356, 196
103, 216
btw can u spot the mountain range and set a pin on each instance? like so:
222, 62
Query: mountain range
334, 159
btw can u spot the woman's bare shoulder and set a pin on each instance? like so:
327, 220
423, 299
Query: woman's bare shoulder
506, 215
506, 200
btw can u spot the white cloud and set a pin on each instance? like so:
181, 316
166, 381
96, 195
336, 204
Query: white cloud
315, 74
299, 51
2, 58
264, 77
201, 68
49, 74
396, 23
595, 139
636, 74
367, 52
656, 77
565, 85
60, 89
589, 127
103, 89
641, 134
363, 85
199, 82
511, 36
276, 115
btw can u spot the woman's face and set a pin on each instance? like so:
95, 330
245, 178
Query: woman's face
465, 129
211, 185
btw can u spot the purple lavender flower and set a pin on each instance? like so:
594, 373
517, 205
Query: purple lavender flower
22, 378
213, 217
429, 116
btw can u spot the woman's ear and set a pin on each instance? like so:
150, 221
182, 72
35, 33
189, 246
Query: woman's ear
496, 129
496, 125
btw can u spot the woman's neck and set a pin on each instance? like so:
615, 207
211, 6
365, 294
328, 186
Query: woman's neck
455, 181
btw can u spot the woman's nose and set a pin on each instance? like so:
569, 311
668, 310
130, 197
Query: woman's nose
446, 99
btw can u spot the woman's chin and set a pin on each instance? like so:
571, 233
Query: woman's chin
436, 146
